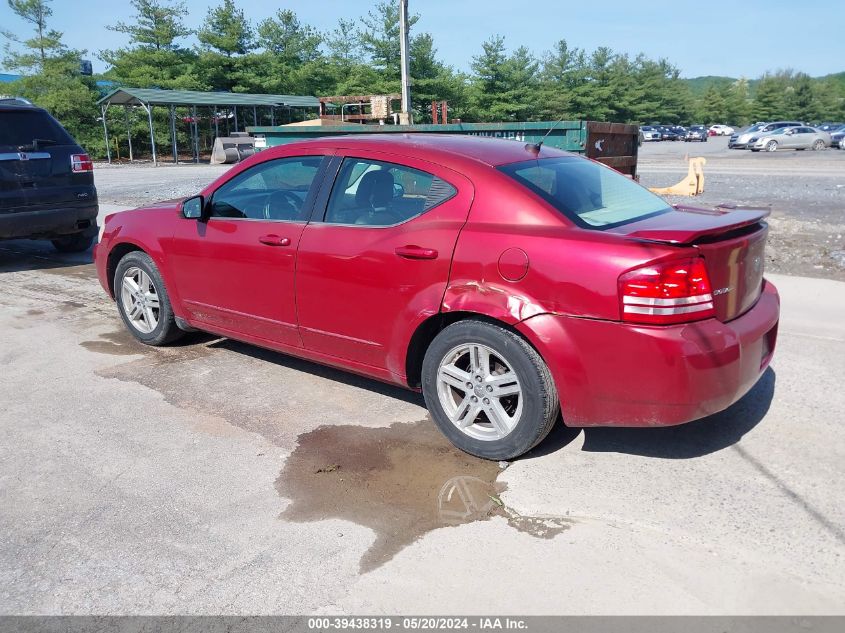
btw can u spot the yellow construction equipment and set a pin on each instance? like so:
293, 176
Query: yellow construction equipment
691, 185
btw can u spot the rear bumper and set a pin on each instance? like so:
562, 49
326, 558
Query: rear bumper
616, 374
49, 223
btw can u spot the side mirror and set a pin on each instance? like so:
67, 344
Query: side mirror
192, 208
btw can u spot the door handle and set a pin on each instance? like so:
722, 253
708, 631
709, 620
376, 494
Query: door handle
274, 240
412, 251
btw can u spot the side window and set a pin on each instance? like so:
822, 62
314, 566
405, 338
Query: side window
275, 190
376, 193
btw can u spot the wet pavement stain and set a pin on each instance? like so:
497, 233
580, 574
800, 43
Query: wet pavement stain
34, 312
70, 306
402, 481
119, 343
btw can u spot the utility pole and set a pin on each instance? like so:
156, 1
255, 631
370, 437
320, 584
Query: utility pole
405, 115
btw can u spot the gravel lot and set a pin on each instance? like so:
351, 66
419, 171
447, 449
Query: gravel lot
805, 190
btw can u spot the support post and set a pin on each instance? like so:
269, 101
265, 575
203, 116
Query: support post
173, 142
103, 109
236, 119
149, 109
216, 126
273, 116
255, 115
196, 129
405, 116
128, 131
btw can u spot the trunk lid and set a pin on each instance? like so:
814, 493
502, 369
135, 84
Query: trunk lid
731, 240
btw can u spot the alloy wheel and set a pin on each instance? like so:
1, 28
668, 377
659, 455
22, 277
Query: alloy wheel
479, 391
140, 300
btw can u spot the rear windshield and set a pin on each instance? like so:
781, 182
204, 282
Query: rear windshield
590, 194
19, 128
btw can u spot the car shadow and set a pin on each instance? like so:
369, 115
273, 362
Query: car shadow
22, 255
323, 371
685, 441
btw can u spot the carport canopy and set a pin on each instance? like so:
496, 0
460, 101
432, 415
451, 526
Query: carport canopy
147, 98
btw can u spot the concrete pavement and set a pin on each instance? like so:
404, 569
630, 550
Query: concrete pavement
216, 478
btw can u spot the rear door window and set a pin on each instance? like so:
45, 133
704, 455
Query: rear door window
590, 194
20, 128
376, 193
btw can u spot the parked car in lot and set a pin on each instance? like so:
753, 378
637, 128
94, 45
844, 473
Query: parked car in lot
696, 133
798, 138
650, 133
721, 130
837, 137
46, 180
667, 133
507, 282
740, 140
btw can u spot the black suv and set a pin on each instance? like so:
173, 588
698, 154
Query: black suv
46, 180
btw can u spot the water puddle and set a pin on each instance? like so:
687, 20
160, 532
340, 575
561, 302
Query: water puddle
402, 481
119, 343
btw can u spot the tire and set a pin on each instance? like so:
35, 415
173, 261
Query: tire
527, 409
155, 323
818, 145
772, 146
73, 243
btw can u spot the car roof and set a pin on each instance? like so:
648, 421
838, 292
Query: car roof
442, 148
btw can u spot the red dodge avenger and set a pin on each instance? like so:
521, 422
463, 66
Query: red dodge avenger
510, 283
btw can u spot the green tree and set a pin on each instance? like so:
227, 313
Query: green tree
505, 87
769, 98
226, 30
737, 106
45, 43
155, 57
380, 37
51, 75
158, 24
799, 100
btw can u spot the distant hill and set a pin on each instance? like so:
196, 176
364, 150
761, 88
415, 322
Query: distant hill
699, 85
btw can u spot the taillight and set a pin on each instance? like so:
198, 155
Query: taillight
676, 291
80, 163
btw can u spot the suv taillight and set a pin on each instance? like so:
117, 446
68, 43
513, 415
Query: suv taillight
676, 291
80, 163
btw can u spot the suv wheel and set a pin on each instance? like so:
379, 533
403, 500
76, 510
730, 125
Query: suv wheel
142, 300
488, 390
772, 146
73, 243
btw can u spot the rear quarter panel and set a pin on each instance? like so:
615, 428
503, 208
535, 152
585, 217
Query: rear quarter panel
517, 258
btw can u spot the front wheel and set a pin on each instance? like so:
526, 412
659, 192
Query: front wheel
142, 300
818, 145
488, 390
772, 146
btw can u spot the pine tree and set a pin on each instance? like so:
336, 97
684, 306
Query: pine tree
226, 30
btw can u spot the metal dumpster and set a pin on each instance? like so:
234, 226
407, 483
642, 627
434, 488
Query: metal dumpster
614, 144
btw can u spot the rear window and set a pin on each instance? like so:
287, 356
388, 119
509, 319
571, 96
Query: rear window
590, 194
19, 128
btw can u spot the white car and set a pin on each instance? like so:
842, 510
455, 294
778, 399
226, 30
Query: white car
721, 130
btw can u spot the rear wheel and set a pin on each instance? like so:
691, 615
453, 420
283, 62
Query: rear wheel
818, 145
488, 390
142, 300
73, 243
772, 146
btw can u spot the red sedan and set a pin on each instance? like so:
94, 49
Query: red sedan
511, 283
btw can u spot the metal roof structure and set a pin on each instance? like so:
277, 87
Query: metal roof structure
148, 98
154, 96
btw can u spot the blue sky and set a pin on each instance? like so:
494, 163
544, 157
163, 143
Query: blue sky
715, 38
